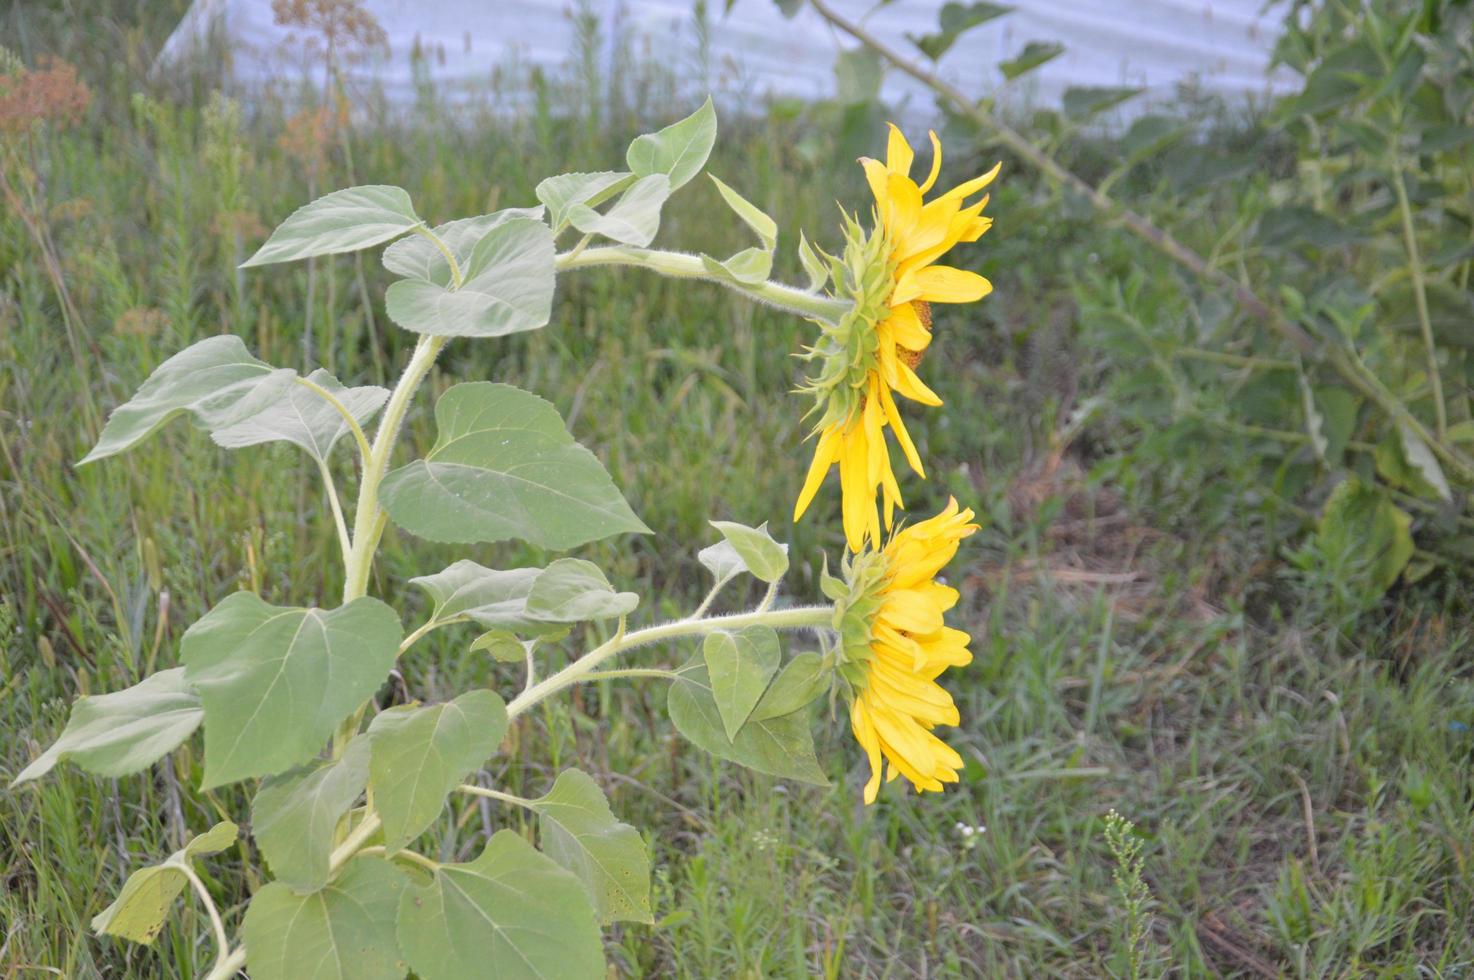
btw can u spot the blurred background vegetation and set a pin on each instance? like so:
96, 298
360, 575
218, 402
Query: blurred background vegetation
1220, 588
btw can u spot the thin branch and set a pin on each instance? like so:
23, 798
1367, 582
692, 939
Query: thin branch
221, 939
363, 444
344, 542
492, 794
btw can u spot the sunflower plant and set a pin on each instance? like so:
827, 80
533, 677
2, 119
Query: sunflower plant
288, 697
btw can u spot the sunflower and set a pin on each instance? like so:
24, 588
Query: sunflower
890, 276
895, 645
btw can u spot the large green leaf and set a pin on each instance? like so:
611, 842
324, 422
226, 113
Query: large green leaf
420, 754
739, 665
417, 257
120, 733
580, 832
563, 192
295, 814
139, 911
344, 931
216, 380
572, 590
276, 681
343, 221
508, 288
504, 466
305, 418
633, 219
679, 150
493, 598
513, 914
781, 746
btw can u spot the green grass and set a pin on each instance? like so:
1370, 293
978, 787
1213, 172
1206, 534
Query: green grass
1300, 784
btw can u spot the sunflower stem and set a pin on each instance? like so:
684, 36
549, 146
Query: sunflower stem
683, 265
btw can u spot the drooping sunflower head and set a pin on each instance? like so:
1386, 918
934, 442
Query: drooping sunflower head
888, 277
889, 611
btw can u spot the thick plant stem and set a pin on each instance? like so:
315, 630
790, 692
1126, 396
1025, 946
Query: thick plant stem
1343, 361
680, 265
366, 519
228, 967
803, 617
1420, 296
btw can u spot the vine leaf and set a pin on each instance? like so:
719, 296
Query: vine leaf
139, 911
420, 754
504, 466
343, 221
581, 833
216, 380
276, 681
306, 419
121, 733
572, 590
512, 913
343, 931
739, 665
679, 150
294, 815
508, 288
417, 257
781, 746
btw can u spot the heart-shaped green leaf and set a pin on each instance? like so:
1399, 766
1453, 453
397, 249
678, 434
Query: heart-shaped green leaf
635, 217
120, 733
276, 681
679, 150
739, 665
804, 678
420, 754
216, 380
572, 590
343, 221
764, 557
504, 466
295, 814
508, 288
305, 418
581, 833
344, 931
782, 746
562, 192
417, 257
512, 914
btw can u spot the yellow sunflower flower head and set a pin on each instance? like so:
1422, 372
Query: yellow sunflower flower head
894, 645
889, 277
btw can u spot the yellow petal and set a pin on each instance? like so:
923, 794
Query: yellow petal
908, 384
902, 436
869, 741
936, 161
898, 154
906, 328
943, 284
824, 455
875, 176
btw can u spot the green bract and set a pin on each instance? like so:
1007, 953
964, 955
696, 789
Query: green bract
295, 697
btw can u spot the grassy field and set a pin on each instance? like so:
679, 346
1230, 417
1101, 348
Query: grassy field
1298, 776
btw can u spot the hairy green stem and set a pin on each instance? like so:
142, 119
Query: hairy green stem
345, 543
492, 794
229, 966
803, 617
681, 265
221, 939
